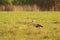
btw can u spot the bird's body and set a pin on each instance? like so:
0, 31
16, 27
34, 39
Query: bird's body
35, 24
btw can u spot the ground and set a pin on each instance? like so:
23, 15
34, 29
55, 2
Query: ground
18, 25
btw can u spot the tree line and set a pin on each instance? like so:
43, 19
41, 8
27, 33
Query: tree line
42, 3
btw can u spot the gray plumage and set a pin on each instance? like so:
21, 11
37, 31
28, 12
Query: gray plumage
35, 24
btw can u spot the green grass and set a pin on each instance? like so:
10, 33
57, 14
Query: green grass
18, 26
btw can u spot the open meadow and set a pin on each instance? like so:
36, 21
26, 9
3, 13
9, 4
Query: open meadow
18, 25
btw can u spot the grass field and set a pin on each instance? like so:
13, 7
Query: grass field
18, 26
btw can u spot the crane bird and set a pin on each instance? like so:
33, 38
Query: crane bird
35, 24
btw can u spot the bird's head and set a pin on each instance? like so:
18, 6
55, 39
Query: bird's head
33, 21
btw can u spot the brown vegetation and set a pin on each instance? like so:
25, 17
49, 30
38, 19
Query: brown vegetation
25, 8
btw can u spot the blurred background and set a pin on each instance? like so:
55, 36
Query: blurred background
29, 5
